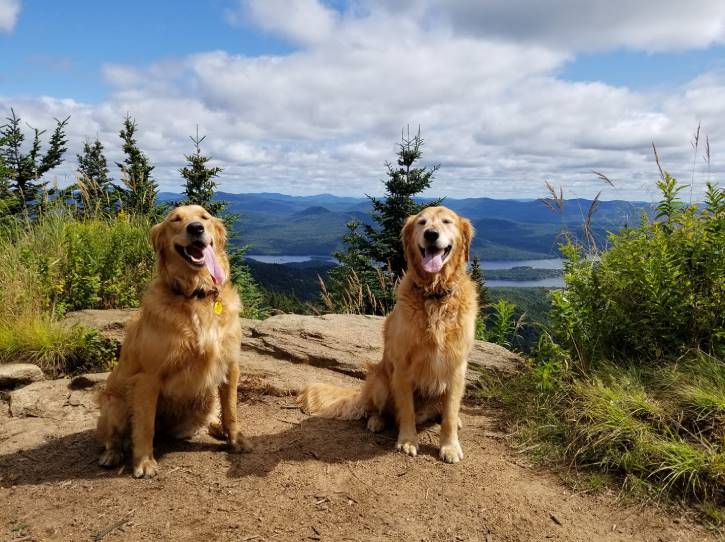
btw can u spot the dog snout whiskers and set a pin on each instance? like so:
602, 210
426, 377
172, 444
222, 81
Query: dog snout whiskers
195, 228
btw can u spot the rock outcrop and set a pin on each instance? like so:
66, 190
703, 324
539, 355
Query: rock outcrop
14, 375
345, 343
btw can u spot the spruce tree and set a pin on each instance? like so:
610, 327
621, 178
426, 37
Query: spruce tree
92, 164
96, 191
24, 170
199, 178
373, 260
140, 196
403, 183
356, 285
477, 277
7, 201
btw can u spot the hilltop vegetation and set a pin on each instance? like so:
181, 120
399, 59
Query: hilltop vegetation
83, 246
629, 378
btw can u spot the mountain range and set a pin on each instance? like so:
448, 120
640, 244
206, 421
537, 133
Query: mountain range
506, 229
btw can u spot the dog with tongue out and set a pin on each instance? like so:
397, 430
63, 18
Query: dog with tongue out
179, 362
427, 339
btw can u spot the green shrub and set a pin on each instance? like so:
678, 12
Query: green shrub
56, 348
655, 294
59, 263
631, 380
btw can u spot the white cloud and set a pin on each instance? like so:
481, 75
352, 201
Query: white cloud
303, 21
650, 25
9, 12
326, 117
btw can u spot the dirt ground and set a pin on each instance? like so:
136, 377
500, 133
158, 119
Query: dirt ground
310, 479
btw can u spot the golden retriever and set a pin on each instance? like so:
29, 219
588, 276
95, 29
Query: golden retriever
427, 339
181, 351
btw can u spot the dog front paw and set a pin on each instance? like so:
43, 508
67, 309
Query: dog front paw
240, 444
216, 431
376, 423
146, 467
408, 446
110, 458
451, 453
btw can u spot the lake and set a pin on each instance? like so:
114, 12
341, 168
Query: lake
288, 259
547, 263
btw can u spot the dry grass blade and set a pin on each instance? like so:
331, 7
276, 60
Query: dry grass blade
556, 202
657, 161
588, 234
604, 178
695, 146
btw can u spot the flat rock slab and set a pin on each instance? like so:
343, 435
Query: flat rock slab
14, 375
46, 410
342, 344
346, 343
270, 376
111, 323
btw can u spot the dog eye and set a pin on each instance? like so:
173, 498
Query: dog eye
422, 222
206, 217
447, 221
176, 219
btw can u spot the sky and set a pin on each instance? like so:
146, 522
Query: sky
307, 96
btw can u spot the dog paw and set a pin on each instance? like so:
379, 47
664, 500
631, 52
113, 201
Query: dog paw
217, 431
146, 468
451, 453
240, 444
110, 458
408, 446
376, 423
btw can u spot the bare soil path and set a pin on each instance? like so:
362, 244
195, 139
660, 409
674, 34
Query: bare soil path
308, 479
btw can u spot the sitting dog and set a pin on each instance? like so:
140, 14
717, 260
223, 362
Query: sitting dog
180, 356
428, 337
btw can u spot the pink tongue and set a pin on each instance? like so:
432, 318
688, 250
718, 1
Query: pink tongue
433, 263
217, 273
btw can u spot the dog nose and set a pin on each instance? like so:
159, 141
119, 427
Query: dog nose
195, 228
431, 235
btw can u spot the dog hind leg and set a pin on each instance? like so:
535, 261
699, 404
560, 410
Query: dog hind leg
112, 429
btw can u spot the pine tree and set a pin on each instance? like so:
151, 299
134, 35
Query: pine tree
25, 169
140, 196
200, 185
7, 201
95, 190
373, 259
356, 285
477, 277
92, 164
403, 183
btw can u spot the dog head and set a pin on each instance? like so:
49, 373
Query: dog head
437, 242
189, 247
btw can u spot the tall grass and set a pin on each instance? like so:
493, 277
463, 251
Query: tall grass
63, 261
59, 263
630, 378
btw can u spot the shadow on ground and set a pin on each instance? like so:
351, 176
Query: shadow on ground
74, 456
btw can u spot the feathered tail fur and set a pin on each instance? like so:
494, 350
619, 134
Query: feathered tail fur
333, 402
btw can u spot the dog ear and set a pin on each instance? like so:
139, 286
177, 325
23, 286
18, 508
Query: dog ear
156, 234
220, 233
467, 235
406, 237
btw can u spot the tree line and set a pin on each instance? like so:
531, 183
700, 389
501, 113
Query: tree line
24, 166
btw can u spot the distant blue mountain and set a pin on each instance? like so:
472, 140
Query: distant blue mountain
277, 224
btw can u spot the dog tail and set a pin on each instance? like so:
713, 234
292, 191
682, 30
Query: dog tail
333, 402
